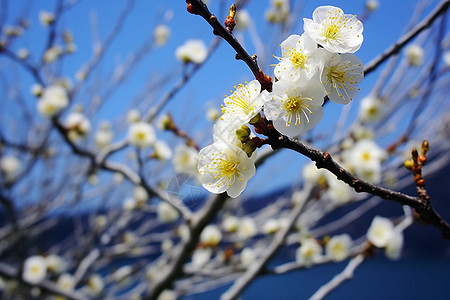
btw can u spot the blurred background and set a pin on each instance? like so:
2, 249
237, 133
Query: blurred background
118, 62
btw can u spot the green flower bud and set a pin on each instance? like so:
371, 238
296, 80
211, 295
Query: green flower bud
243, 133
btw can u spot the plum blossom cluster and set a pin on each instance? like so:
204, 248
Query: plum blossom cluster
317, 64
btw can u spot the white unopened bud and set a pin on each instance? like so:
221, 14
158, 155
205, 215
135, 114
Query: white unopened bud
52, 54
230, 224
211, 235
161, 34
271, 226
133, 116
247, 257
415, 55
23, 53
46, 18
167, 213
9, 165
242, 19
372, 5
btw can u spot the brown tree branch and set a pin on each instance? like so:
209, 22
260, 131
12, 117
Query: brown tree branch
199, 222
324, 160
199, 8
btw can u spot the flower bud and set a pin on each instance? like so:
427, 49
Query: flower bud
243, 133
255, 119
249, 147
409, 164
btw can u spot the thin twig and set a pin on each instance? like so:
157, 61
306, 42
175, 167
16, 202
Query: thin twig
256, 268
346, 274
324, 160
395, 48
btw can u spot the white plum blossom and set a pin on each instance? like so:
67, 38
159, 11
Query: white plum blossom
52, 54
129, 204
34, 269
340, 75
230, 223
53, 99
23, 53
167, 213
447, 59
161, 34
338, 247
335, 31
372, 5
271, 226
247, 228
164, 122
66, 282
185, 160
129, 238
104, 135
309, 253
247, 256
313, 175
100, 221
166, 245
201, 257
184, 232
365, 158
167, 295
36, 89
78, 126
243, 19
415, 54
141, 135
162, 150
338, 191
55, 264
46, 18
9, 165
380, 232
393, 249
95, 285
360, 132
300, 59
244, 103
192, 51
294, 109
278, 12
140, 194
224, 131
133, 116
71, 48
224, 167
370, 109
213, 114
211, 236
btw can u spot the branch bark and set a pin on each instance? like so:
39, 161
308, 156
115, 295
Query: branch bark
199, 222
324, 160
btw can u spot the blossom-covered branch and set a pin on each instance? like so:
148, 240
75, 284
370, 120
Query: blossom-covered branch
324, 160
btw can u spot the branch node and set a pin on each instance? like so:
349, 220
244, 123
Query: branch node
191, 9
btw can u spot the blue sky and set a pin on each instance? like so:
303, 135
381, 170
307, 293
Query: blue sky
208, 87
